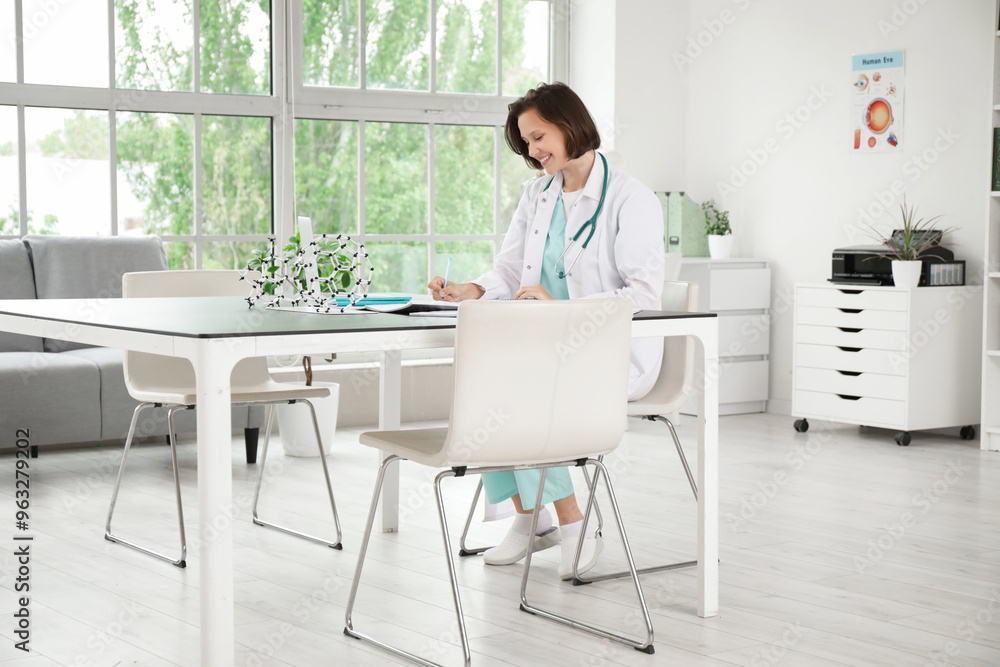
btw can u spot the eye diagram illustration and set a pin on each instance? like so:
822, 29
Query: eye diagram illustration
862, 83
878, 116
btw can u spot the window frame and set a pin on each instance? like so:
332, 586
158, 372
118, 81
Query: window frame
289, 100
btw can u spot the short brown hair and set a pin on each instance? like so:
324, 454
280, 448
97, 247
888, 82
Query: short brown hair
556, 103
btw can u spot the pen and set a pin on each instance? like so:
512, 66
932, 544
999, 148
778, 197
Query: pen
446, 272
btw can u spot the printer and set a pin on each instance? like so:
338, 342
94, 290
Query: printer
869, 265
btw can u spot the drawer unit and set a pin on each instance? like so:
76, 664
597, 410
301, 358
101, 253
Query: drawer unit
857, 410
847, 337
851, 383
850, 359
882, 356
852, 298
851, 318
739, 291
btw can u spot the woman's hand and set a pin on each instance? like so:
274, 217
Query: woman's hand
454, 291
533, 291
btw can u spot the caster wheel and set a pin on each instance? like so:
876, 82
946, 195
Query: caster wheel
967, 432
801, 425
903, 439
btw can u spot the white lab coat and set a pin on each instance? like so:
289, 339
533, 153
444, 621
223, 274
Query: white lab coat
623, 259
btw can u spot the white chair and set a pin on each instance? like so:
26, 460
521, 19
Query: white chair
167, 381
537, 385
670, 392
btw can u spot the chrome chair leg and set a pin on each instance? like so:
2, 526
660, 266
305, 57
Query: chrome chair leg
349, 629
326, 476
108, 535
578, 580
644, 646
680, 453
464, 550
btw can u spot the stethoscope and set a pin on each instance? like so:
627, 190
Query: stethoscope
592, 223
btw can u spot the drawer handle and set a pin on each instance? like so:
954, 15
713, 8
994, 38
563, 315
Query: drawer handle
851, 373
851, 291
848, 397
853, 311
850, 330
849, 349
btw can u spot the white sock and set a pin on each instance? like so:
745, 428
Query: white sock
522, 522
573, 529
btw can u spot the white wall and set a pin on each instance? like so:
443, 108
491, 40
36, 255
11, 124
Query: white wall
765, 61
620, 66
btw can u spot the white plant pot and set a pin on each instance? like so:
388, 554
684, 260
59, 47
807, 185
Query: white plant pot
906, 274
295, 425
720, 247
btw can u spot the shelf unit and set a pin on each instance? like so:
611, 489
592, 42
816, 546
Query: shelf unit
990, 408
739, 291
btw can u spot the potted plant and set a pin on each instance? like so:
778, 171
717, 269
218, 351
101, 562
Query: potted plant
298, 435
720, 235
906, 245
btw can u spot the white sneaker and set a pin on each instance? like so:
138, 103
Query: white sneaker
592, 546
514, 546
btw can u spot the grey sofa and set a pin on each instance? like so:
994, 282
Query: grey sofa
67, 392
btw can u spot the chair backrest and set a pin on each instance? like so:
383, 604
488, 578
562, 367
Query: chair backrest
538, 381
676, 378
150, 372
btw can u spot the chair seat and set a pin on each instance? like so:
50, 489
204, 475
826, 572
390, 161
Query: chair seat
264, 392
421, 445
642, 408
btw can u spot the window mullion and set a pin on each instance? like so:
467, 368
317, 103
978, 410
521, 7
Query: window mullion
361, 178
197, 192
499, 27
433, 54
362, 45
196, 48
22, 168
19, 36
431, 193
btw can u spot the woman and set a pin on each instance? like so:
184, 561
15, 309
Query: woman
617, 224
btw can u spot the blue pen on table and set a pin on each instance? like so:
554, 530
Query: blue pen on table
447, 270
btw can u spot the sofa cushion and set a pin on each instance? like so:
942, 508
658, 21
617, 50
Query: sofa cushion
75, 267
55, 395
117, 405
16, 282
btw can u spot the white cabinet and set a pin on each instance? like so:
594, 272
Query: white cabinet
739, 291
991, 303
881, 356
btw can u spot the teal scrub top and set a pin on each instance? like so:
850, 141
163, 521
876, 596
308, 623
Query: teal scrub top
555, 244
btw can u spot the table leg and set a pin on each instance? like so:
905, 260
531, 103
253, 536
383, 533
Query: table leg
708, 474
213, 365
389, 392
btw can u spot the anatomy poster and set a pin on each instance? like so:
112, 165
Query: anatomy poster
877, 109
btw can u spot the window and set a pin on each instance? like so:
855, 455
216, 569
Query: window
77, 27
68, 174
10, 216
384, 123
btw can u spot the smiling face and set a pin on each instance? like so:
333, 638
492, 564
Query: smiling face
545, 141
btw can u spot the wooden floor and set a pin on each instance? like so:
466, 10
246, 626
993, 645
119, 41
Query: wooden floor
837, 548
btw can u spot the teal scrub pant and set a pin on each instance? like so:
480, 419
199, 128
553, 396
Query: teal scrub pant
503, 485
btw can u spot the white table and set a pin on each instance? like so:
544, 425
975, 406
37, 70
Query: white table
214, 333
